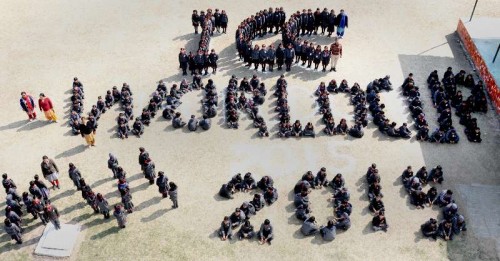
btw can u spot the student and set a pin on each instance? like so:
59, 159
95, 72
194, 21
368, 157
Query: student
227, 191
120, 215
13, 231
302, 212
458, 224
328, 232
237, 217
52, 214
205, 124
343, 222
193, 123
113, 164
102, 205
445, 230
436, 175
225, 231
258, 202
265, 182
309, 227
162, 183
172, 191
379, 222
271, 195
246, 231
75, 175
266, 232
177, 121
430, 228
444, 198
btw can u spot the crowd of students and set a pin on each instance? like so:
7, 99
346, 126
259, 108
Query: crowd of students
358, 99
233, 102
292, 46
340, 200
241, 216
452, 223
375, 196
445, 95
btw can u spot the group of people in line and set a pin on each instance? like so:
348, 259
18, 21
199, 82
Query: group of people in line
286, 129
241, 216
445, 95
233, 102
358, 99
375, 195
340, 199
204, 58
292, 46
453, 222
37, 201
28, 105
376, 108
172, 102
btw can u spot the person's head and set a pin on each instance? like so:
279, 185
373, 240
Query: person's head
42, 95
36, 177
7, 222
45, 159
4, 176
267, 222
141, 149
71, 165
449, 192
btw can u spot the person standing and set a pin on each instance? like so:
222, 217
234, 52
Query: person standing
341, 23
183, 61
223, 21
87, 131
52, 214
45, 105
113, 165
195, 19
336, 50
13, 231
28, 105
75, 176
103, 205
172, 191
120, 215
289, 55
50, 171
162, 183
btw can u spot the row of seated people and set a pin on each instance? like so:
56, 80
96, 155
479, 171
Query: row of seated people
375, 196
443, 93
242, 214
286, 129
358, 99
209, 103
342, 207
76, 106
413, 184
384, 125
250, 106
448, 227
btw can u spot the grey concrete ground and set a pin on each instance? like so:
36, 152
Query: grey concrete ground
45, 44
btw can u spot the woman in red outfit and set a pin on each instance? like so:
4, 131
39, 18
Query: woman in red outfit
45, 105
28, 105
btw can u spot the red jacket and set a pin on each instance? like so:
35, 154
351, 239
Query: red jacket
45, 104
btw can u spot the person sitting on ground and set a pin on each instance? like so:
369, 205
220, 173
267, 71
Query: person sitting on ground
430, 228
406, 176
301, 199
321, 180
138, 127
332, 86
431, 196
296, 129
379, 222
246, 231
309, 227
257, 202
450, 210
237, 217
436, 175
328, 232
343, 222
330, 127
271, 195
302, 212
337, 182
193, 123
205, 124
445, 230
451, 136
458, 224
177, 121
265, 182
404, 132
444, 198
308, 176
342, 127
266, 232
225, 231
356, 131
227, 191
473, 135
345, 207
374, 190
248, 209
263, 132
376, 205
248, 183
341, 195
309, 130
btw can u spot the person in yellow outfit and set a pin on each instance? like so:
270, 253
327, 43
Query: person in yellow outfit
45, 105
87, 132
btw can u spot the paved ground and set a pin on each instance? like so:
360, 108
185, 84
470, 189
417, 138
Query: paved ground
44, 45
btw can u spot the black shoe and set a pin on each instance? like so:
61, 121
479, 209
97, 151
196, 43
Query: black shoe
334, 69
